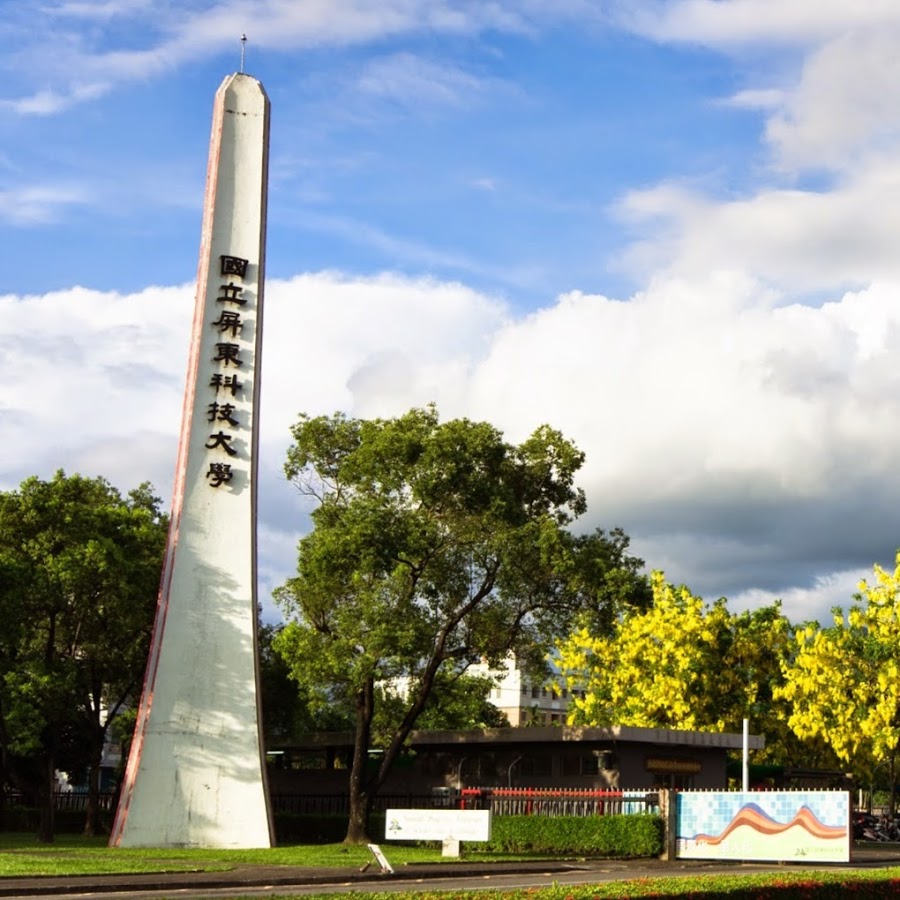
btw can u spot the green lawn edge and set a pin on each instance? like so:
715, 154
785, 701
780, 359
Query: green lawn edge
800, 885
21, 855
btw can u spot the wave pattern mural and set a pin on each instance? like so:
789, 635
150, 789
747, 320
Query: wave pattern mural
764, 825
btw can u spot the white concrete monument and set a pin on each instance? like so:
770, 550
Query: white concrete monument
196, 773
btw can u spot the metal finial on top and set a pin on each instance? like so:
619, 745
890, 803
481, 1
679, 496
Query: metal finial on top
243, 48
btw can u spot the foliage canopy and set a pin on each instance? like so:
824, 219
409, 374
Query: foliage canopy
843, 682
79, 572
434, 545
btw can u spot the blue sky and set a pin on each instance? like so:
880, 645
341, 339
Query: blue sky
491, 156
667, 227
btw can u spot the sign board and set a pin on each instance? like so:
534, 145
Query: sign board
437, 824
381, 859
672, 766
785, 826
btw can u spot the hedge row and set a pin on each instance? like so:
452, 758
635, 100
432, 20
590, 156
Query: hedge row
623, 837
628, 837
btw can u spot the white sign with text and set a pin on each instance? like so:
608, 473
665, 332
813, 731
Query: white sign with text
437, 824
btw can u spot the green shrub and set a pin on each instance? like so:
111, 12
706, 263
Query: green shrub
619, 836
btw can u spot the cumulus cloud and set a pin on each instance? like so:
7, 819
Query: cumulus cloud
745, 446
826, 592
846, 103
805, 240
739, 412
93, 382
827, 72
737, 22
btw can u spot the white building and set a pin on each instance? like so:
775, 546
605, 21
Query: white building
525, 702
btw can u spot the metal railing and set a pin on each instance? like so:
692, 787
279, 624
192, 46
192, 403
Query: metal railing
339, 804
558, 801
501, 801
76, 801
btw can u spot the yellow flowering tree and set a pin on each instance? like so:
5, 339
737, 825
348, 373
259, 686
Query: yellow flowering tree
843, 682
684, 664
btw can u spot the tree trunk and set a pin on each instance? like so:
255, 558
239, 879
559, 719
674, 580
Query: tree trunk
892, 803
46, 790
92, 815
360, 796
358, 826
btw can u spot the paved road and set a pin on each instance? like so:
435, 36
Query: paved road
263, 881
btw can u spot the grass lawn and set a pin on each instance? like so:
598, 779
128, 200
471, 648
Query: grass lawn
861, 885
22, 855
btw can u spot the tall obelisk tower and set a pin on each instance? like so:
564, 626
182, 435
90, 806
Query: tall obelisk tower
196, 772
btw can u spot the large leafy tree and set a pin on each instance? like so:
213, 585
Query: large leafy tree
682, 663
434, 545
843, 682
80, 567
458, 700
288, 709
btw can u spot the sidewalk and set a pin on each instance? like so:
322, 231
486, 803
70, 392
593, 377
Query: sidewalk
251, 876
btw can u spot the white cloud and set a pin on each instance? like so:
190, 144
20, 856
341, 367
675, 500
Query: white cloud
756, 98
110, 9
846, 104
800, 240
730, 22
284, 24
743, 446
39, 204
55, 53
747, 441
93, 382
372, 346
815, 602
831, 70
415, 81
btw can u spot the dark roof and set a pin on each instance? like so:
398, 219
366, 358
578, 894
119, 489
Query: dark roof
550, 734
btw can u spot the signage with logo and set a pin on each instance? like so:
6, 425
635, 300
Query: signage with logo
672, 766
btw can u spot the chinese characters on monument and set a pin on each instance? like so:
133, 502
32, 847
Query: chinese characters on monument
225, 378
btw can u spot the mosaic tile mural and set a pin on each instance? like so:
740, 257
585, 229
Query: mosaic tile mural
764, 825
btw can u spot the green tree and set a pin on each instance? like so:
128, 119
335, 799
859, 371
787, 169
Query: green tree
457, 701
290, 710
843, 683
434, 545
81, 566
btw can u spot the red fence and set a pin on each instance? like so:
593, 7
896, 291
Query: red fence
557, 801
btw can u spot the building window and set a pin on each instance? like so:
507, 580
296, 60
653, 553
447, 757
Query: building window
674, 781
587, 765
534, 767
